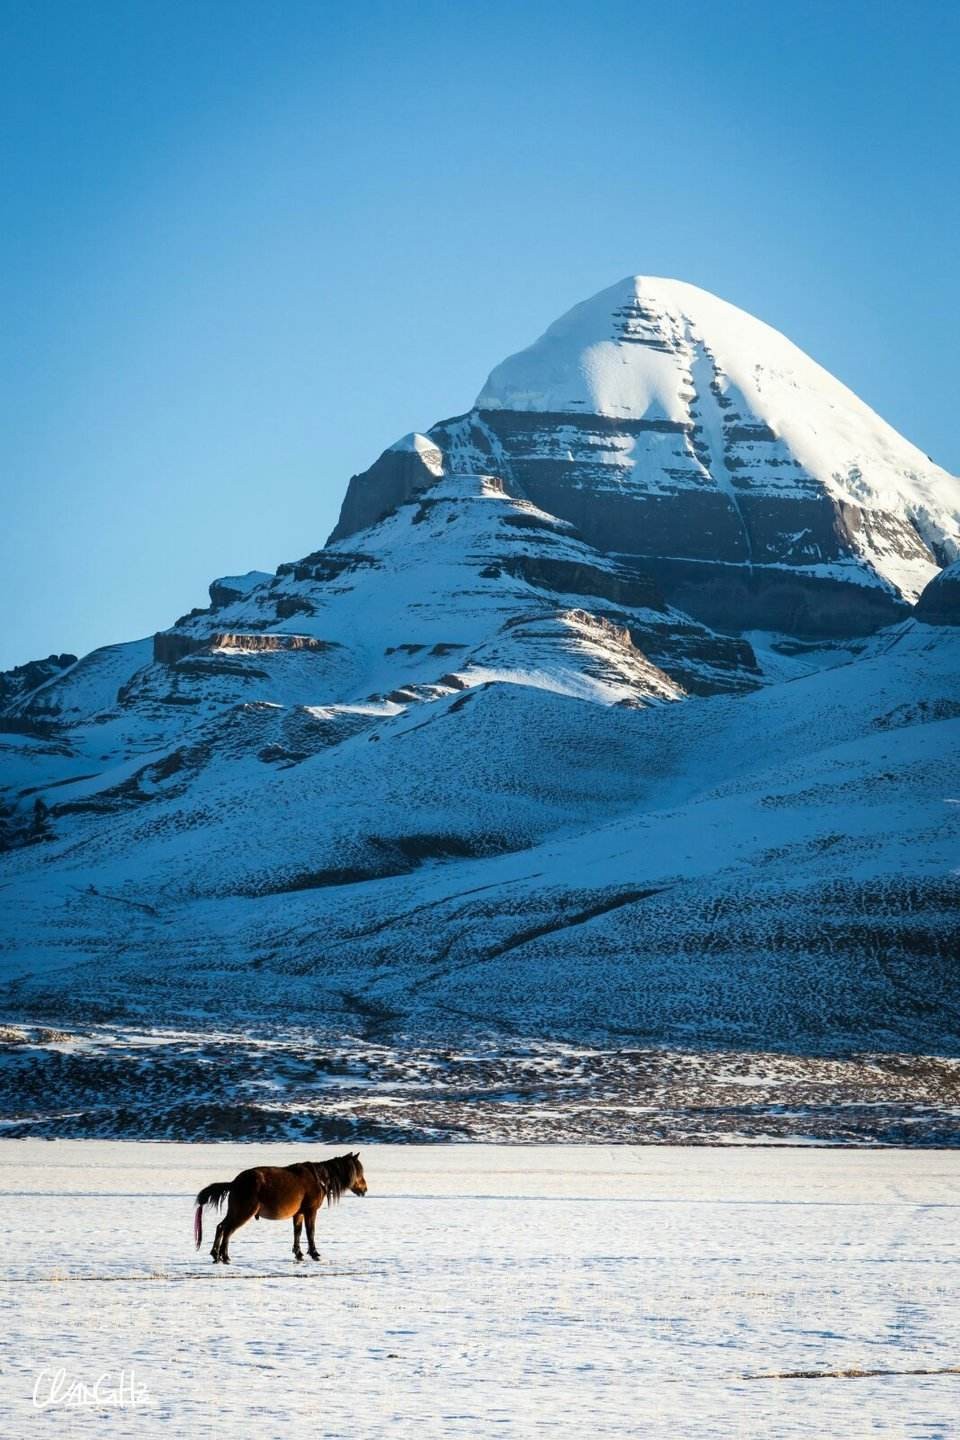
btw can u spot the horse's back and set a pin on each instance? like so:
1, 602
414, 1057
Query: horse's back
250, 1177
255, 1182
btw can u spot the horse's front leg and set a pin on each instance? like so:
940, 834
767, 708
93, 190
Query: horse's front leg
311, 1216
297, 1224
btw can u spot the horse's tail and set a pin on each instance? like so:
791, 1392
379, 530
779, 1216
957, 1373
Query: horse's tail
214, 1194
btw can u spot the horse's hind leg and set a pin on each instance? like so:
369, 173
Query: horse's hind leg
238, 1213
217, 1241
297, 1226
311, 1217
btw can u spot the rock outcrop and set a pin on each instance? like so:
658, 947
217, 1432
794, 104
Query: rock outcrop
407, 468
940, 602
23, 679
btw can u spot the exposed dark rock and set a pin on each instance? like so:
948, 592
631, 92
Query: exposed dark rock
392, 480
243, 640
325, 565
231, 588
171, 647
738, 597
702, 661
290, 605
22, 679
192, 614
30, 825
940, 602
623, 586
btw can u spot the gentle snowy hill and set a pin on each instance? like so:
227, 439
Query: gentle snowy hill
472, 768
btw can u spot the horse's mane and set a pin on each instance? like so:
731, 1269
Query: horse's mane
335, 1175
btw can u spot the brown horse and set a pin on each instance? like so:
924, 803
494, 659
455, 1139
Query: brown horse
272, 1192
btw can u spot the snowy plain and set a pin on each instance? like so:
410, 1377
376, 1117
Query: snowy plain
492, 1290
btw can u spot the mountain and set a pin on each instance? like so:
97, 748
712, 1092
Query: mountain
670, 426
600, 750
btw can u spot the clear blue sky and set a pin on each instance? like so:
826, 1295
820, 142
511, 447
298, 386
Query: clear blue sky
245, 246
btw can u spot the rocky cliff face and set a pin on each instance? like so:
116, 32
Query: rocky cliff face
669, 426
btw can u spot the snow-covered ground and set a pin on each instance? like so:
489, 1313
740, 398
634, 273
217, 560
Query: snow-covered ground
485, 1290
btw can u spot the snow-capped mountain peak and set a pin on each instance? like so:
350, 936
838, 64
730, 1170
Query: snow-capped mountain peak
767, 421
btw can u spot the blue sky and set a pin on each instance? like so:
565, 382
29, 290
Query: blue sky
245, 246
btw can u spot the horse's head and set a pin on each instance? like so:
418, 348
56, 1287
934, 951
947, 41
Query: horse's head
358, 1184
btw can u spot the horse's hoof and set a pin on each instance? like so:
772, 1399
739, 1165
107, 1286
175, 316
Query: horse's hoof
314, 1255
